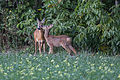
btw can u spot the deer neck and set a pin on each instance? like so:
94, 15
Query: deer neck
46, 34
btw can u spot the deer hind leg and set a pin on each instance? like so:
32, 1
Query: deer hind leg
35, 48
66, 48
39, 44
70, 46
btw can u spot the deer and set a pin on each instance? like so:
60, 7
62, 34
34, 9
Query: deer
39, 36
57, 41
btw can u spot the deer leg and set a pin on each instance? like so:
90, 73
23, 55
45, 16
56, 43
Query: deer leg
66, 48
44, 46
39, 44
72, 49
50, 49
35, 48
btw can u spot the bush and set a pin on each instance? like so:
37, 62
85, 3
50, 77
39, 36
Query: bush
90, 23
87, 22
19, 24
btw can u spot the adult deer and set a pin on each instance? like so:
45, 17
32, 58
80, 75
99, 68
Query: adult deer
39, 36
61, 40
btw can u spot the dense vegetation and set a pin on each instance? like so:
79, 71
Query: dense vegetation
93, 24
60, 66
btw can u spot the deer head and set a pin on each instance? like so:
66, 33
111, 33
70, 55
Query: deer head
47, 27
40, 23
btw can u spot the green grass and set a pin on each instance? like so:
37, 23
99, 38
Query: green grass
59, 66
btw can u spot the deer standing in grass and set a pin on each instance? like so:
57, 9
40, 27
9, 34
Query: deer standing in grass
39, 37
61, 40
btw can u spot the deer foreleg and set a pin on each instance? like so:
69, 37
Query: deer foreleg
39, 44
35, 48
44, 46
50, 49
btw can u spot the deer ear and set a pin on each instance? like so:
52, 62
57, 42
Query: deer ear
43, 21
38, 20
50, 26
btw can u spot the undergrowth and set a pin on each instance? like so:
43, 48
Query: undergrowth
59, 66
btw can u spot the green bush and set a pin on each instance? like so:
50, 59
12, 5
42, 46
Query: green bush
19, 24
90, 23
87, 22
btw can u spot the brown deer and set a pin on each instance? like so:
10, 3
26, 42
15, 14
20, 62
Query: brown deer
39, 37
61, 40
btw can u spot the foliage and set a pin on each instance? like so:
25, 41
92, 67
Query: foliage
92, 24
87, 22
20, 22
60, 66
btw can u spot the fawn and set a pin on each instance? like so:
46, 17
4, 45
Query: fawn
39, 36
57, 41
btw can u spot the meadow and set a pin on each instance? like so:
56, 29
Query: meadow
59, 66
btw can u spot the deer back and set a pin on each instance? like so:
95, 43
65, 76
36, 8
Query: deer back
58, 40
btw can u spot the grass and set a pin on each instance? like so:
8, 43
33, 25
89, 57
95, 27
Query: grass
59, 66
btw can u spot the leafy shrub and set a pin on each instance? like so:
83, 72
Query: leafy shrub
19, 24
90, 23
87, 22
